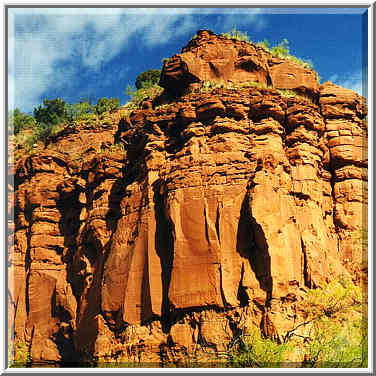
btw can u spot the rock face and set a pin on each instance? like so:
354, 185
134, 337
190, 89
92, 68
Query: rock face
226, 208
210, 57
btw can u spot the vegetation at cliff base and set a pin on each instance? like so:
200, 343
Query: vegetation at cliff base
254, 351
333, 335
18, 355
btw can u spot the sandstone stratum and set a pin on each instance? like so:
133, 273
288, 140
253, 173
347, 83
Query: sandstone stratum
227, 205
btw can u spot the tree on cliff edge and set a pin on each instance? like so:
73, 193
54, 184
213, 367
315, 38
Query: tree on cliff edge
148, 78
53, 112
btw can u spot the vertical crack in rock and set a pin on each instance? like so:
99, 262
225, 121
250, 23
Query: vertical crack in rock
252, 245
260, 260
217, 220
306, 271
164, 244
242, 295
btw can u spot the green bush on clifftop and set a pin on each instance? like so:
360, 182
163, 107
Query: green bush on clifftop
281, 50
80, 110
137, 96
106, 105
146, 87
148, 78
236, 34
18, 121
50, 118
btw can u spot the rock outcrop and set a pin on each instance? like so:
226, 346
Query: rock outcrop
225, 209
210, 57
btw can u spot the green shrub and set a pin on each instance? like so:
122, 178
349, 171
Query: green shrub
286, 93
86, 118
333, 335
53, 112
256, 85
106, 105
238, 35
264, 44
337, 344
337, 326
48, 131
41, 132
304, 63
148, 78
20, 356
50, 119
149, 91
129, 91
80, 110
18, 121
281, 50
208, 86
146, 87
253, 351
26, 139
335, 297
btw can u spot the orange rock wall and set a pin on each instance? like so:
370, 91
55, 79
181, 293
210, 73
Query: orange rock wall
225, 209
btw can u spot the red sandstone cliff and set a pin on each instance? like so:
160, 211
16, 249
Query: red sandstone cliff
225, 209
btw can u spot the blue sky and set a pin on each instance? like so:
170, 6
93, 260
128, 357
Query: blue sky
76, 53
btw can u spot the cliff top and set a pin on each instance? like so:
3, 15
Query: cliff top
208, 63
221, 58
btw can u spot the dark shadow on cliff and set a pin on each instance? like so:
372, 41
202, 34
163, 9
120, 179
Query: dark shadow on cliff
146, 304
114, 213
69, 208
164, 244
251, 244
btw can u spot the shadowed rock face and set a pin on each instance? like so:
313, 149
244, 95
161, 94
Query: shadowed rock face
227, 207
211, 57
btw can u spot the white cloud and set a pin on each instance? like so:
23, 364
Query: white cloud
48, 39
352, 80
32, 66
